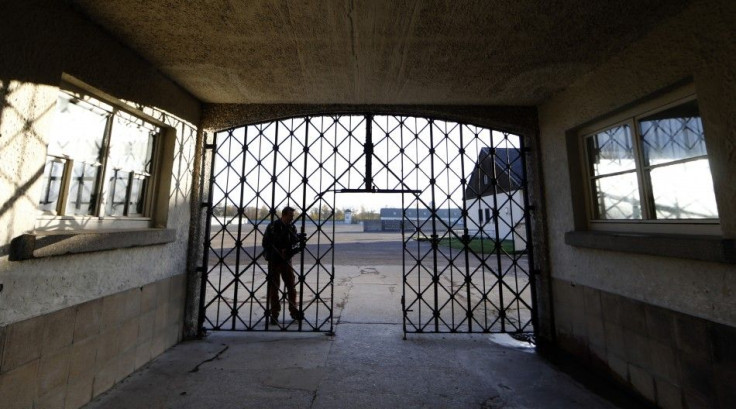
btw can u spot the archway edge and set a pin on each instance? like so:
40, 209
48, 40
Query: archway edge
521, 120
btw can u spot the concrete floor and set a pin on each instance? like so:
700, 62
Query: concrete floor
366, 364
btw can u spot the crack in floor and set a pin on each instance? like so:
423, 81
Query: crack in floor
196, 368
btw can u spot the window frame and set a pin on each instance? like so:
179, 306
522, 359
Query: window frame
648, 223
155, 193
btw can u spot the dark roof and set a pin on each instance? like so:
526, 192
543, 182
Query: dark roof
504, 163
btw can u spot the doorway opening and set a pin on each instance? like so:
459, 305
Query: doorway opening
459, 205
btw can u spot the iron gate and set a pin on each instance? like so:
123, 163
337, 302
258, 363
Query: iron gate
464, 219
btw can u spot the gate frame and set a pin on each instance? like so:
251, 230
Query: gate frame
518, 120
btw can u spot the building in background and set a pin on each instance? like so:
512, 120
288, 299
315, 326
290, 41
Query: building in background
394, 219
496, 183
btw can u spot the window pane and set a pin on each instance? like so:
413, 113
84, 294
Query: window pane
617, 197
137, 188
52, 175
79, 129
118, 185
684, 191
131, 152
131, 144
82, 189
673, 134
611, 151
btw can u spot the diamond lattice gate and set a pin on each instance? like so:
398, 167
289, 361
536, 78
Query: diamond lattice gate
463, 219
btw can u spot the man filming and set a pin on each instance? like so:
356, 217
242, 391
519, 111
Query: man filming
280, 244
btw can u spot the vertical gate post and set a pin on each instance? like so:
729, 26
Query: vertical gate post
210, 147
433, 215
304, 181
238, 242
466, 236
497, 239
368, 151
194, 296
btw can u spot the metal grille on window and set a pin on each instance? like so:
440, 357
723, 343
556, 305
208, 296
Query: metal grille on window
129, 164
652, 167
99, 160
78, 143
612, 165
677, 163
53, 173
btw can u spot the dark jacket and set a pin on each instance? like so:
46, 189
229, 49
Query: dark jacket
278, 237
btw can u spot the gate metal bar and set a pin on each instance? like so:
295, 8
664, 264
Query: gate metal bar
303, 228
209, 149
457, 275
500, 278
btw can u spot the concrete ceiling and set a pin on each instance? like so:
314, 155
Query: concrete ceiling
485, 52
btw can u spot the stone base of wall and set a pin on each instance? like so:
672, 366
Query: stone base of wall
672, 359
66, 358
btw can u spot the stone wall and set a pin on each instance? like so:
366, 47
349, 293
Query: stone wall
674, 359
66, 358
71, 46
641, 294
72, 325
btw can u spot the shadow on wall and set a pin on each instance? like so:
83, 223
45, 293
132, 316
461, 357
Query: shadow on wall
22, 147
16, 147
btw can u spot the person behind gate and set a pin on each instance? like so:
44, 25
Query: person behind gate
280, 244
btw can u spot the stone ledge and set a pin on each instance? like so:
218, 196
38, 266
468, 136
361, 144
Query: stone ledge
705, 248
47, 244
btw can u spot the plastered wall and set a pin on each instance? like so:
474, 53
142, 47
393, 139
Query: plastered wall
41, 41
699, 43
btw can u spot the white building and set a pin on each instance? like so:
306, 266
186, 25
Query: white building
496, 183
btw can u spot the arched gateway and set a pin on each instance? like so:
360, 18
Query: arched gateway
463, 218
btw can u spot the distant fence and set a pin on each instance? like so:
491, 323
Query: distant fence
372, 225
234, 221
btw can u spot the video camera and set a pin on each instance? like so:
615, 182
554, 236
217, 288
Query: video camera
302, 240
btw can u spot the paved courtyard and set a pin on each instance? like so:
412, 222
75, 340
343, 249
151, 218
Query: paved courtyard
364, 363
493, 288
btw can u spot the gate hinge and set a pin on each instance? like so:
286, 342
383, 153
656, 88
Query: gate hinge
209, 146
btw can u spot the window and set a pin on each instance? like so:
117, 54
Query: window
99, 164
650, 168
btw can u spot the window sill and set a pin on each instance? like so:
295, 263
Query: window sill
47, 244
705, 248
